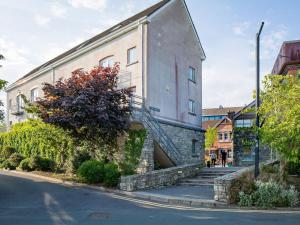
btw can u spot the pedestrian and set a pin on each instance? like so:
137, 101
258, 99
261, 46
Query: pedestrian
213, 158
224, 157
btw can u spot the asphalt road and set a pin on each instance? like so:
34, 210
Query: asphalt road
36, 202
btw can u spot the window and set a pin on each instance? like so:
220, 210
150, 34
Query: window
192, 74
243, 123
207, 118
220, 136
192, 107
34, 94
131, 55
107, 62
225, 136
19, 103
194, 146
230, 135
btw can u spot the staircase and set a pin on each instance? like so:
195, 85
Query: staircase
206, 176
142, 114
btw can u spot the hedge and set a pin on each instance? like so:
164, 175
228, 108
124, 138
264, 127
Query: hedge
34, 137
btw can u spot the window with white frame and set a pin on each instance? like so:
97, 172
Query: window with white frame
34, 94
19, 103
220, 136
107, 62
192, 106
131, 55
225, 136
192, 74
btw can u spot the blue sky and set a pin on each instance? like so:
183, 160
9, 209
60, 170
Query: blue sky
35, 31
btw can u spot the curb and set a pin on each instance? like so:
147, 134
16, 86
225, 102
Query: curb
171, 200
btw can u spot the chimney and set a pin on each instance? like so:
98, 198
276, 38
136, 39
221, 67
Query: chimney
231, 114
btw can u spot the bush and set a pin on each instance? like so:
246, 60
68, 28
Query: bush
6, 165
34, 137
7, 151
112, 175
25, 165
39, 163
244, 184
133, 149
15, 159
91, 171
269, 195
293, 168
76, 160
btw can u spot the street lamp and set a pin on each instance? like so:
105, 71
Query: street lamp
256, 171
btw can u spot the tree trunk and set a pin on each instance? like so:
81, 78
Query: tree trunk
282, 168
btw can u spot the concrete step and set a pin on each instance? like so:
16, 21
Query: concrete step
200, 181
195, 184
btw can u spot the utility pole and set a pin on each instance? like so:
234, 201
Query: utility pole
256, 172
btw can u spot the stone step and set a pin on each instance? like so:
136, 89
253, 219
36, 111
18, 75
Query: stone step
195, 184
200, 181
211, 174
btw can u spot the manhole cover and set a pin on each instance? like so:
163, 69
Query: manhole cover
99, 216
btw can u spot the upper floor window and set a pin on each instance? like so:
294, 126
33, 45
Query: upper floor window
131, 55
243, 123
192, 109
220, 136
192, 74
34, 94
225, 136
107, 62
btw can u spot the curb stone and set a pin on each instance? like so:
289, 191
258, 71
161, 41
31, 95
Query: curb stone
179, 201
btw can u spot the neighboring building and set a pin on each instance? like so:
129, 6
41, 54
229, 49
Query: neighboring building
288, 59
244, 138
160, 57
220, 118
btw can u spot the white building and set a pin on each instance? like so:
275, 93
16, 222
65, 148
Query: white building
160, 57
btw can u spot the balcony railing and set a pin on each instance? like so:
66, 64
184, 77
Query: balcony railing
16, 110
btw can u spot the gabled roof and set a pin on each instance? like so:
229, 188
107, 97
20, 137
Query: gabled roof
220, 111
147, 12
210, 123
250, 105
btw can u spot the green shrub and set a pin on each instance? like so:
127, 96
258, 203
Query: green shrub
133, 149
270, 168
15, 159
7, 151
25, 165
76, 160
112, 175
269, 195
293, 168
243, 184
2, 160
39, 163
91, 171
34, 137
7, 165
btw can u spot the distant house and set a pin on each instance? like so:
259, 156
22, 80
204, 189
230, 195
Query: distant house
288, 59
222, 119
160, 56
235, 133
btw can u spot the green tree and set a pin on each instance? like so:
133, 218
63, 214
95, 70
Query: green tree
210, 137
280, 114
2, 86
1, 58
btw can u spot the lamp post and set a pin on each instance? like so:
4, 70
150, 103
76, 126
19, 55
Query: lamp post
256, 171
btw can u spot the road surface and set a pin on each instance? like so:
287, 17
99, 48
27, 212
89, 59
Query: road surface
37, 202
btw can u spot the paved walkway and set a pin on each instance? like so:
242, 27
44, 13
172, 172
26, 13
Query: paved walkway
197, 190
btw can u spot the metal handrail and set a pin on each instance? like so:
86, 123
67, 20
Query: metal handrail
155, 128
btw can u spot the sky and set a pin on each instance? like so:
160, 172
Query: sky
34, 31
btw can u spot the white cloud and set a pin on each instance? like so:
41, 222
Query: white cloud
241, 28
57, 10
99, 5
41, 20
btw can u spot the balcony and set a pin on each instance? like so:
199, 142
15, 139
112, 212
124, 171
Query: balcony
16, 110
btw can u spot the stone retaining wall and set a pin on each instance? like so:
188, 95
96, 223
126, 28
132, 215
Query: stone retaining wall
222, 184
158, 177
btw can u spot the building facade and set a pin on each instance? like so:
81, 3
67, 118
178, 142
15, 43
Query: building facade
222, 119
288, 59
160, 58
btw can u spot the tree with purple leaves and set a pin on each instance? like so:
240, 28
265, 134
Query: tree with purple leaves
88, 104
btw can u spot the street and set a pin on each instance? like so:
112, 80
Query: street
36, 202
